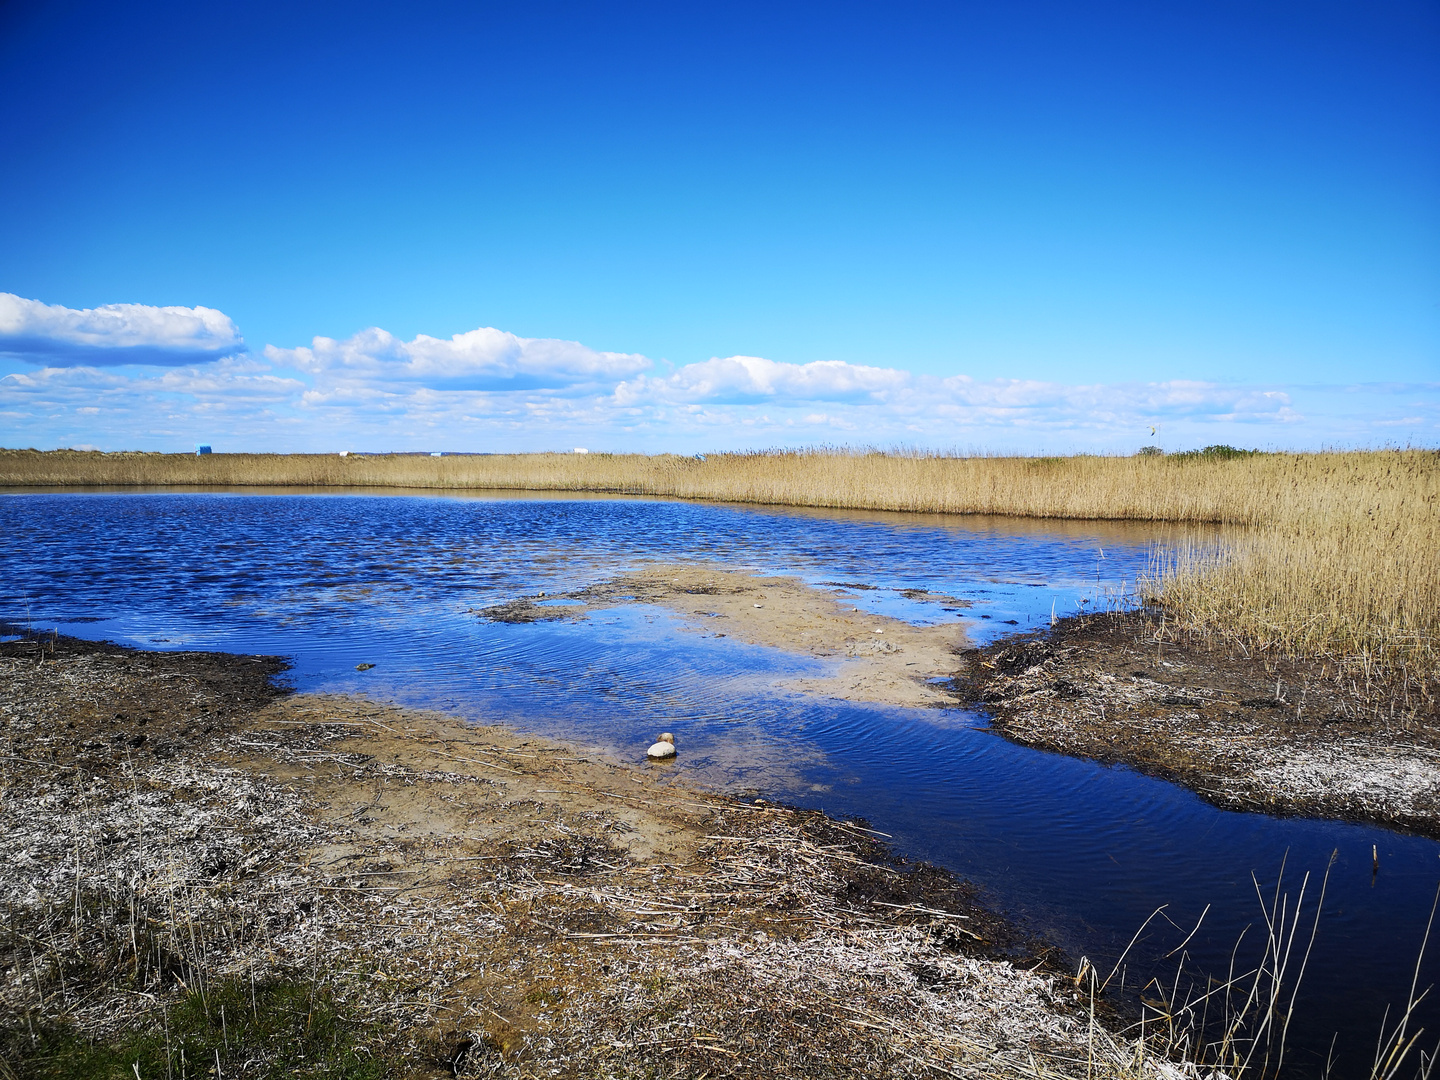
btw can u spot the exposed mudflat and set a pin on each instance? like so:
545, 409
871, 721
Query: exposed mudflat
478, 902
883, 660
1246, 732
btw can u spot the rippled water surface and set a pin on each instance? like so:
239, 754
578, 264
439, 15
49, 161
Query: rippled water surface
1081, 853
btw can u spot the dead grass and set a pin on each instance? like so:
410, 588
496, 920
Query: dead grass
1278, 736
1246, 490
433, 900
1339, 558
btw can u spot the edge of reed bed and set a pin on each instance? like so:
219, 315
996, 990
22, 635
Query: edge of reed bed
1245, 732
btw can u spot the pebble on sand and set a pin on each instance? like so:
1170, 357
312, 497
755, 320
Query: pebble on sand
664, 747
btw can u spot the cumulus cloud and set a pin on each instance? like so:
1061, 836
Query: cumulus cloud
54, 336
483, 359
753, 378
859, 395
492, 390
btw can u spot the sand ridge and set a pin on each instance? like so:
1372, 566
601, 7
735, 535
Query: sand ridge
877, 658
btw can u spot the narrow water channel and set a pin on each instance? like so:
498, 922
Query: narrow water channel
1081, 854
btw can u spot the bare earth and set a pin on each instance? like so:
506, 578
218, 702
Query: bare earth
1246, 732
480, 903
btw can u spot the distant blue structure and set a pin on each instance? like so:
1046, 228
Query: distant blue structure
201, 448
699, 457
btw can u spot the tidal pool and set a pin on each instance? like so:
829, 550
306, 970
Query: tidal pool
1079, 853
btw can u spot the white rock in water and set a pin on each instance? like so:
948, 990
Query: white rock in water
664, 747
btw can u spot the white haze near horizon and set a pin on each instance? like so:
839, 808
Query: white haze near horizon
132, 376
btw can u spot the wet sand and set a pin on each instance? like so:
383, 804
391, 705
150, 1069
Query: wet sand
485, 903
479, 903
877, 659
1247, 732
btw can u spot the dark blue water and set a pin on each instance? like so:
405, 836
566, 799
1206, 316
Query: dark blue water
1082, 854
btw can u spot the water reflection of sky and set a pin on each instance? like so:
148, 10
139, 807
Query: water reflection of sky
1082, 853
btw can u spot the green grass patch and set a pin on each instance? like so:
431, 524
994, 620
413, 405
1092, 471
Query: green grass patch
280, 1029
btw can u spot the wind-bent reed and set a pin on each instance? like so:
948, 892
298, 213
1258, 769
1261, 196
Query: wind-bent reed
1339, 558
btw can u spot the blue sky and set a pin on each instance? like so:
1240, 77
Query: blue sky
1020, 226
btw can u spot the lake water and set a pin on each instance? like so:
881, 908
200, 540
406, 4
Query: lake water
1079, 853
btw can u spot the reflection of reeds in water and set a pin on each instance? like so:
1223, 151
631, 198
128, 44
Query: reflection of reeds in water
1340, 558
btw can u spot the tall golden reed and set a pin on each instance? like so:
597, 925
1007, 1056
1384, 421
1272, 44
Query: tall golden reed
1325, 594
1344, 565
1340, 557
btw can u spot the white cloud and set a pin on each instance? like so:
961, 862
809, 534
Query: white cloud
888, 396
483, 359
62, 406
753, 378
56, 336
491, 390
1102, 404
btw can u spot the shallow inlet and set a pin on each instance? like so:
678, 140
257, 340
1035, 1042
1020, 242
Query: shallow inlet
1080, 853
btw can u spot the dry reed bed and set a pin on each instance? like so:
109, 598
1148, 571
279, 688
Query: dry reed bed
1251, 490
1339, 557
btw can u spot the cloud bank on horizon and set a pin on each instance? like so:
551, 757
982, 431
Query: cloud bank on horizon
133, 376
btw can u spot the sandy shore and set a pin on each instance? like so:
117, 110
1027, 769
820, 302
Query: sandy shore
472, 902
467, 901
1246, 732
876, 658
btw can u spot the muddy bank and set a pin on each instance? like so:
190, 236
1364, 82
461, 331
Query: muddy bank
879, 659
174, 829
1245, 732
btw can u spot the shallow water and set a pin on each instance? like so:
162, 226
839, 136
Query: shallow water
1080, 853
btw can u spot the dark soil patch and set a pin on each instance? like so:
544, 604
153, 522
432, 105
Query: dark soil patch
1246, 732
128, 702
525, 610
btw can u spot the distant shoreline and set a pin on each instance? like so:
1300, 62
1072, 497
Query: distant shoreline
1203, 487
1338, 561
